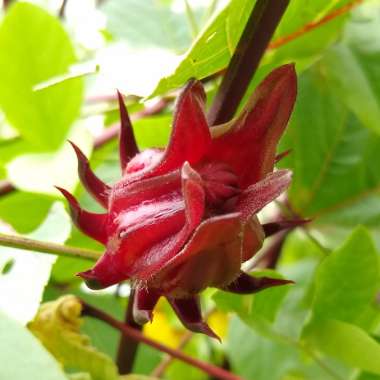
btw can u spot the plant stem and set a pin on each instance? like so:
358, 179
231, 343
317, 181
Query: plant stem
140, 337
6, 4
186, 337
127, 346
61, 13
27, 244
260, 27
167, 360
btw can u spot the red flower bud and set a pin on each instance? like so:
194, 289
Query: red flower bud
183, 219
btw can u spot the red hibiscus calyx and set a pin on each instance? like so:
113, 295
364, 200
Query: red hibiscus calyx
184, 218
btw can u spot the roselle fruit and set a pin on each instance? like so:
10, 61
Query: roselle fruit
184, 218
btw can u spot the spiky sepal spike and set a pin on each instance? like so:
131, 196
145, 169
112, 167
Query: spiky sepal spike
97, 188
91, 224
189, 312
127, 143
144, 302
274, 227
246, 284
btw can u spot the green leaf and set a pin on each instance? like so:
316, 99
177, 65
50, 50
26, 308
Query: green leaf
347, 280
147, 23
368, 376
44, 117
34, 210
334, 159
137, 377
153, 131
346, 342
214, 47
41, 172
103, 337
22, 356
352, 66
22, 287
254, 356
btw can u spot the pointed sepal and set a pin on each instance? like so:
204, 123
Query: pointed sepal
97, 188
258, 195
246, 284
144, 302
105, 273
91, 224
188, 311
254, 134
127, 142
274, 227
190, 138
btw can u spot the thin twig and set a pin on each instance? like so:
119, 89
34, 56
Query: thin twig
167, 360
140, 337
257, 33
61, 13
13, 241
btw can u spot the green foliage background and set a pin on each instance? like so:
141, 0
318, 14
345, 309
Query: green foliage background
327, 325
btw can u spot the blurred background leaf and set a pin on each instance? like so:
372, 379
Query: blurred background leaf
35, 47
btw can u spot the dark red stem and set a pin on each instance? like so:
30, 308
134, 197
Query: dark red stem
127, 346
256, 36
138, 336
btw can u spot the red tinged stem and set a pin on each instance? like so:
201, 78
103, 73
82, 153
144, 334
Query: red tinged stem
128, 346
97, 188
127, 142
208, 368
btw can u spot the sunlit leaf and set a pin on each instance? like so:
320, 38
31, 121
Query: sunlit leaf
42, 117
40, 172
346, 342
347, 280
22, 355
22, 287
215, 45
334, 158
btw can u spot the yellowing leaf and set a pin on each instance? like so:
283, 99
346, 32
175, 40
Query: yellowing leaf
57, 326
